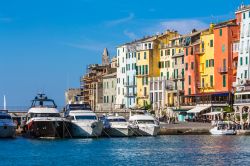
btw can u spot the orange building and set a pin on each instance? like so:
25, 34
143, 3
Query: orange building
191, 59
226, 39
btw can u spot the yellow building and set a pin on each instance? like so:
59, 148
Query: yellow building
207, 61
147, 66
150, 63
168, 62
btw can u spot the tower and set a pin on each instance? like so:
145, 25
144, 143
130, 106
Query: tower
105, 57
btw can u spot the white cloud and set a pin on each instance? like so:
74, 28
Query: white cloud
121, 20
131, 35
183, 26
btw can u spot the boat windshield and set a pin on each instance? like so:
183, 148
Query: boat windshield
78, 107
5, 117
45, 115
145, 121
89, 117
42, 101
117, 120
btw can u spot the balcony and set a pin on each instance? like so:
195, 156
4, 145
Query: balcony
200, 51
130, 94
223, 70
179, 77
130, 84
178, 54
239, 101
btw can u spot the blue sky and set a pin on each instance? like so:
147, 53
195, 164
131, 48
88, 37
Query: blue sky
45, 45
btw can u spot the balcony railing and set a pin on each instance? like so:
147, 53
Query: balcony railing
130, 84
178, 77
130, 94
223, 70
178, 54
238, 101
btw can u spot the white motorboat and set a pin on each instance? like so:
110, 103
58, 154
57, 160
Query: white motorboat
43, 120
147, 124
7, 126
117, 126
84, 122
223, 128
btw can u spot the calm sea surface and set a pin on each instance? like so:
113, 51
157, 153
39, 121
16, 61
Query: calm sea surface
161, 150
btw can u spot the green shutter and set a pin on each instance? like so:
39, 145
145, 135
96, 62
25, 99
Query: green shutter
206, 63
220, 32
224, 80
211, 80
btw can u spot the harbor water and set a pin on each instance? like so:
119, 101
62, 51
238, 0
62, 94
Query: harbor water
160, 150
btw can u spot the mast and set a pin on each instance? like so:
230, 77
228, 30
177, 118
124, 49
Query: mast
4, 103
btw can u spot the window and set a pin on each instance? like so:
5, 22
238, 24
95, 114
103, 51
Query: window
173, 52
207, 63
146, 69
189, 91
167, 75
138, 56
161, 74
245, 73
224, 81
189, 80
182, 60
186, 51
241, 61
161, 53
211, 43
246, 60
211, 80
192, 50
223, 48
159, 64
203, 82
145, 55
149, 45
175, 61
244, 15
192, 65
168, 51
220, 32
186, 67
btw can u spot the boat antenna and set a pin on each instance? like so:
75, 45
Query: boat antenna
4, 103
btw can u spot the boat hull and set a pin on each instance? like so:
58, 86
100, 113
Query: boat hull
222, 132
7, 131
86, 129
47, 129
148, 130
119, 132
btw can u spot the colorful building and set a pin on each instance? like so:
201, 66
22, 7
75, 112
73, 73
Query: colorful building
206, 61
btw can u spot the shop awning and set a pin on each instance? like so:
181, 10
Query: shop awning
213, 113
197, 109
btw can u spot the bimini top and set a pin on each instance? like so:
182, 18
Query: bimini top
141, 117
41, 100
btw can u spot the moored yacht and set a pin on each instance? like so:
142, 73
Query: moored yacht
147, 124
7, 126
83, 121
117, 126
223, 128
43, 120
